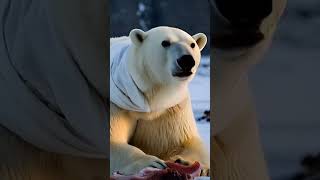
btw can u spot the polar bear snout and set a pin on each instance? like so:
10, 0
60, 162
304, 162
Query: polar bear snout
246, 13
238, 23
186, 62
184, 65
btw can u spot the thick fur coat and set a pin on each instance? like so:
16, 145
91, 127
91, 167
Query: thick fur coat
167, 133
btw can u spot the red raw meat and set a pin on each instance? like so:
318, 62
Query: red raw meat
174, 171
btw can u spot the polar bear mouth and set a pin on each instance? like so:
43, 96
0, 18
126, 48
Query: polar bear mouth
237, 39
238, 26
182, 74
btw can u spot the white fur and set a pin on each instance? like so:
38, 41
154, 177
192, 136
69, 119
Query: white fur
169, 131
123, 88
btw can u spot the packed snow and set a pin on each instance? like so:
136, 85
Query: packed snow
200, 98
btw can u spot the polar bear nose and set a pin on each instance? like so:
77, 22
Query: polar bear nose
186, 62
244, 13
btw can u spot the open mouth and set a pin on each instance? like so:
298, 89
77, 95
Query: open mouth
235, 40
182, 74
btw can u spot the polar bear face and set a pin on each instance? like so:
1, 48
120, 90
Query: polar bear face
167, 55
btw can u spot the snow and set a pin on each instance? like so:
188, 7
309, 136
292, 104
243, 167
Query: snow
141, 7
141, 15
202, 178
204, 130
200, 97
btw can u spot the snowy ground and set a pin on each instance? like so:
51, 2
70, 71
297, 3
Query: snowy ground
200, 97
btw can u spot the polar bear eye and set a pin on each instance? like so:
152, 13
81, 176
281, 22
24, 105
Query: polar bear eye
165, 43
193, 45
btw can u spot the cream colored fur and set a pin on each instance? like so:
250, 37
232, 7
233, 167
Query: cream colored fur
236, 148
140, 140
21, 161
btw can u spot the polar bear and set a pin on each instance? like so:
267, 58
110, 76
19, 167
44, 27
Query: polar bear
151, 119
236, 49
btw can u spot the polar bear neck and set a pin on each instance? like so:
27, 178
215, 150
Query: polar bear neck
162, 98
123, 91
128, 89
159, 96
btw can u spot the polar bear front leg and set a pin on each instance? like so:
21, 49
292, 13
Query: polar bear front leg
193, 148
125, 158
129, 160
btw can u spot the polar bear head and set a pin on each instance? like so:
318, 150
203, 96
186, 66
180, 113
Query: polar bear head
242, 32
162, 61
166, 55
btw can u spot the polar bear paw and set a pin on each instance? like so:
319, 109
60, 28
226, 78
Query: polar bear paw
205, 171
144, 162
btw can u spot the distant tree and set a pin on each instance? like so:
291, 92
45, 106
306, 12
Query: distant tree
147, 14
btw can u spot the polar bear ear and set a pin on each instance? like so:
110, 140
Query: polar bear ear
137, 36
201, 40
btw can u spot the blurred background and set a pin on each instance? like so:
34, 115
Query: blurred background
188, 15
286, 87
